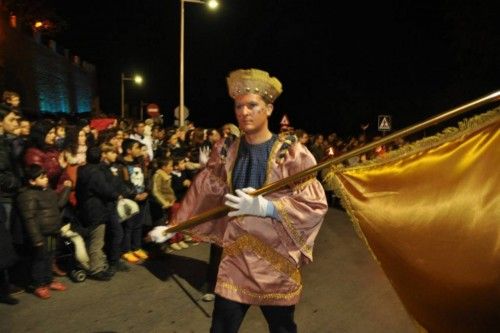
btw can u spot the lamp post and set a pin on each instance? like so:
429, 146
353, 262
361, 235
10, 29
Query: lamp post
212, 4
137, 79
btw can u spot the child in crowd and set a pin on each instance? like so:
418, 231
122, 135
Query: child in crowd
180, 184
96, 198
40, 206
133, 172
180, 178
114, 230
165, 197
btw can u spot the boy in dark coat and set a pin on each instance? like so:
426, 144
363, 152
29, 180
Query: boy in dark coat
39, 206
96, 196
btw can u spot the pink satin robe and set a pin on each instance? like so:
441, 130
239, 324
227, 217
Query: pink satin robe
261, 256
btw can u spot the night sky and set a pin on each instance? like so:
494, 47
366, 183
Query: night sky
340, 64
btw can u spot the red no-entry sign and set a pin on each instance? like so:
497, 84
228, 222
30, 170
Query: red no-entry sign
153, 110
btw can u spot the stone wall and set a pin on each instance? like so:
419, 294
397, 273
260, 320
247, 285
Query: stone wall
47, 80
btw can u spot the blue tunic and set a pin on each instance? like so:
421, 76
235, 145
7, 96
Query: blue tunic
251, 164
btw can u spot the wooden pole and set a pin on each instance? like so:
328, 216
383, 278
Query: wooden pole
221, 210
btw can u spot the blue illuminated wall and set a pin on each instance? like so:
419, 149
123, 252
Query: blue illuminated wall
47, 81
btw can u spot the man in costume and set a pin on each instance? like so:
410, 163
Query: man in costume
265, 239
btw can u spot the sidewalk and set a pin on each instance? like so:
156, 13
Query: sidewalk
344, 291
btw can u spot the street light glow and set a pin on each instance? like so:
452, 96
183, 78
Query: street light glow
213, 4
138, 79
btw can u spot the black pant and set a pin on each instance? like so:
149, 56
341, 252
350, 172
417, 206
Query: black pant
41, 265
114, 238
213, 268
228, 316
4, 283
132, 230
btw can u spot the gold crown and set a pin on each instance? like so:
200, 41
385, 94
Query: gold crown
253, 81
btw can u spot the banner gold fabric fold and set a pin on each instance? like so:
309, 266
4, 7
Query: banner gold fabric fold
430, 215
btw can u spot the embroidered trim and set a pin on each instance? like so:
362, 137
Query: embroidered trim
274, 149
280, 206
464, 127
244, 291
229, 171
288, 141
249, 242
228, 141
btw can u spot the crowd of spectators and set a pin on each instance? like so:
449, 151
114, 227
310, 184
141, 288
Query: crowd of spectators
65, 179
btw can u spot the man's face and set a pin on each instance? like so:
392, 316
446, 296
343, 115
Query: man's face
168, 168
181, 165
252, 112
173, 140
139, 129
10, 123
181, 135
14, 101
25, 127
304, 139
136, 150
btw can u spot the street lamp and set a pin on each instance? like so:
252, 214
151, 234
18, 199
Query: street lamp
137, 80
212, 4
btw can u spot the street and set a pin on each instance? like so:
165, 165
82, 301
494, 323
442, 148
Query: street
344, 291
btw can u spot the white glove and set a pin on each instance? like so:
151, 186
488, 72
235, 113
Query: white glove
246, 204
159, 234
204, 155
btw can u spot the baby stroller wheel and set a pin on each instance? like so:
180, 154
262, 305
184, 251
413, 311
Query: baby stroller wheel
78, 275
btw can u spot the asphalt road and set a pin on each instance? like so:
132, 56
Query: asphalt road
344, 291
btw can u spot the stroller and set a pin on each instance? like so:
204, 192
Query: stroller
78, 259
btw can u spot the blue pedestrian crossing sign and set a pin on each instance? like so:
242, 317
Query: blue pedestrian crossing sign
384, 123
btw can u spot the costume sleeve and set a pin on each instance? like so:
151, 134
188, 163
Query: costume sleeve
205, 193
303, 208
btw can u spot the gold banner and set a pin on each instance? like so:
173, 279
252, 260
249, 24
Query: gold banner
430, 215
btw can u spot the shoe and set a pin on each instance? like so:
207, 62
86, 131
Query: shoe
119, 266
141, 254
42, 292
111, 272
183, 244
7, 299
165, 248
130, 257
56, 285
208, 297
101, 276
57, 271
15, 290
175, 246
